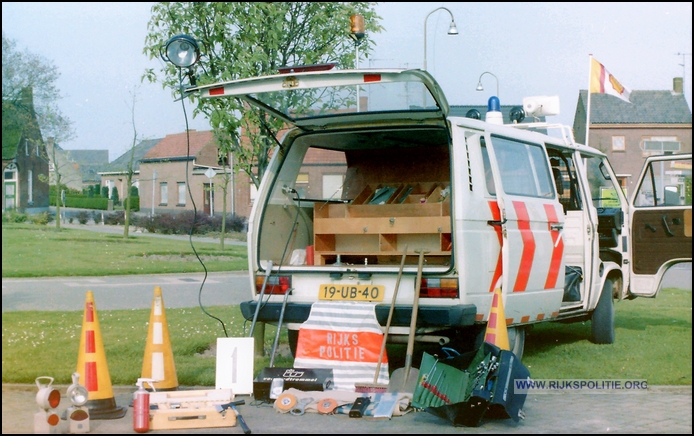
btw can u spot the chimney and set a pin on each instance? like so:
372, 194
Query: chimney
677, 85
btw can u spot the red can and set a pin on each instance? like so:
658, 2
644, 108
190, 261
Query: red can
141, 410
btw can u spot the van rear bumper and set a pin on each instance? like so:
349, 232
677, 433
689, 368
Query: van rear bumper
460, 315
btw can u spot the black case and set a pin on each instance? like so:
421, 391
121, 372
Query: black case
303, 379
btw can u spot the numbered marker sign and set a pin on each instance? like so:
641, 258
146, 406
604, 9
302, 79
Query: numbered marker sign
235, 365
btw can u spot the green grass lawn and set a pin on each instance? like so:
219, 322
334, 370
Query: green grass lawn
653, 342
31, 250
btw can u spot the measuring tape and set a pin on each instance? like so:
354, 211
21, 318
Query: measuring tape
327, 406
285, 402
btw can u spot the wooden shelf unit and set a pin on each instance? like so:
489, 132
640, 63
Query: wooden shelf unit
416, 214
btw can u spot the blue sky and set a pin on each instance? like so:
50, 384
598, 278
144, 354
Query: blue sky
533, 49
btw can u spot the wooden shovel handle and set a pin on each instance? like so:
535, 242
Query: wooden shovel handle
390, 315
415, 309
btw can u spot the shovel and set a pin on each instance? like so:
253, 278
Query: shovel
405, 379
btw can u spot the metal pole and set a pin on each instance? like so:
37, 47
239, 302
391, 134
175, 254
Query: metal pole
154, 183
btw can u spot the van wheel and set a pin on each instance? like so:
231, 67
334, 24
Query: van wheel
516, 341
602, 321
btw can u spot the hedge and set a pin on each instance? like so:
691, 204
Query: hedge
83, 202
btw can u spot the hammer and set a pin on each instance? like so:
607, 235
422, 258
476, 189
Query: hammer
222, 407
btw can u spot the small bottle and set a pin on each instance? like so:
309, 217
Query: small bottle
141, 407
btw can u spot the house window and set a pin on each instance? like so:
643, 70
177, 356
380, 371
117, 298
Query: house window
618, 143
26, 147
38, 152
332, 185
181, 193
301, 185
660, 145
163, 194
30, 186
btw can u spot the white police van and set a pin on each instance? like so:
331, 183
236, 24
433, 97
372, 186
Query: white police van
372, 164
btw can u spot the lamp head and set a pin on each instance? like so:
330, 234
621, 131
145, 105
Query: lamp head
181, 50
77, 393
479, 86
357, 30
453, 30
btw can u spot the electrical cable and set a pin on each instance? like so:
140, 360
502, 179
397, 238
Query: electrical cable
195, 211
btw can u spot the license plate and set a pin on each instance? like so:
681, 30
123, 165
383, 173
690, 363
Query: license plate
340, 292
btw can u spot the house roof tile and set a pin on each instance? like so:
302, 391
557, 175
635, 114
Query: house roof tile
121, 163
646, 107
176, 145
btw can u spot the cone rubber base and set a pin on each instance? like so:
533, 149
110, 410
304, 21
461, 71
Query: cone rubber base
105, 409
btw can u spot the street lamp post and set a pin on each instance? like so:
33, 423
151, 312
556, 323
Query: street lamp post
357, 33
479, 82
452, 30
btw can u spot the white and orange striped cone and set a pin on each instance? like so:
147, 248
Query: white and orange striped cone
93, 369
497, 333
158, 363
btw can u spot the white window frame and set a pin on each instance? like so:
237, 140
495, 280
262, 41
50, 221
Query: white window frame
619, 143
181, 193
30, 186
163, 193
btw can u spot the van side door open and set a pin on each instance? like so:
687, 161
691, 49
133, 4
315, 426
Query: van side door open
661, 221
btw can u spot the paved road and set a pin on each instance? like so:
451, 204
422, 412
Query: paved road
125, 292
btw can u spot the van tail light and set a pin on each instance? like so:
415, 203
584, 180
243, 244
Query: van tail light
439, 288
278, 285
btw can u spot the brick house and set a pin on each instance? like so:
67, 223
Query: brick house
78, 168
24, 163
170, 167
114, 175
655, 122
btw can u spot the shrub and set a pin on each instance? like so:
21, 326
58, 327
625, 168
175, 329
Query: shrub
114, 196
41, 218
104, 192
96, 216
134, 191
116, 218
83, 217
13, 216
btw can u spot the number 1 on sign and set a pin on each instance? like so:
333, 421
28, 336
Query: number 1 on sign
235, 358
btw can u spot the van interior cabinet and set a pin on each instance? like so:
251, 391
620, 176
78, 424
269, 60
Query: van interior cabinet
375, 227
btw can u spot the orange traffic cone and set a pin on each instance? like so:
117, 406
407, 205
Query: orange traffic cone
158, 363
496, 325
93, 369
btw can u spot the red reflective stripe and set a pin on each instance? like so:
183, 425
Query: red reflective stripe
343, 346
90, 380
526, 263
372, 78
492, 318
89, 312
498, 270
89, 343
217, 91
557, 248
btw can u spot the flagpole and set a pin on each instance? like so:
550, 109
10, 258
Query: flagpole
590, 66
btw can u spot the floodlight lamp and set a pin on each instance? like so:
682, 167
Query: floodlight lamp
181, 50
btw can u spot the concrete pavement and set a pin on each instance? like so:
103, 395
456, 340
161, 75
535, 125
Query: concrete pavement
662, 409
